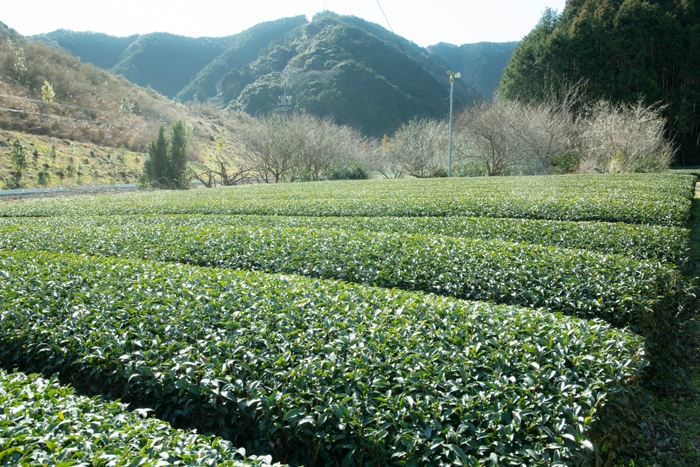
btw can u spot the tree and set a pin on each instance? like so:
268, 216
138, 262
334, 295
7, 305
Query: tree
166, 166
545, 131
18, 161
625, 138
301, 147
484, 136
229, 170
178, 158
625, 50
325, 147
268, 148
47, 93
419, 148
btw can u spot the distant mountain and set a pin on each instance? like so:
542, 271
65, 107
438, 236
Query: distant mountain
97, 48
346, 68
481, 64
343, 67
165, 62
242, 49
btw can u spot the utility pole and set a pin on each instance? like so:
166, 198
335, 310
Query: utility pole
284, 101
449, 144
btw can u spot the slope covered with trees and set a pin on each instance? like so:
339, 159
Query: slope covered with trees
102, 50
624, 50
338, 67
481, 64
79, 124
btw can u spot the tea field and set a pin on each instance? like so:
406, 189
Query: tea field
494, 321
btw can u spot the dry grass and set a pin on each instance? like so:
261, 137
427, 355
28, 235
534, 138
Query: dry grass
100, 124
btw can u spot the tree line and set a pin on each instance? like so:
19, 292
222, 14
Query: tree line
569, 134
625, 50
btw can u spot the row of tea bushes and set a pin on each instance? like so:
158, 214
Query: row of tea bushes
660, 243
637, 199
319, 372
622, 291
43, 423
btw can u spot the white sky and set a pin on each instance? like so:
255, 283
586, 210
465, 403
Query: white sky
425, 22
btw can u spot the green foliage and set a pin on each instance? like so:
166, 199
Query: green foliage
329, 373
166, 166
624, 292
243, 48
18, 157
18, 161
655, 243
97, 48
480, 64
317, 372
178, 146
47, 93
45, 423
43, 178
167, 62
348, 172
656, 199
566, 163
622, 50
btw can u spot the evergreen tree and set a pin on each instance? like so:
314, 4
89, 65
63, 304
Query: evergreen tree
166, 166
177, 167
623, 50
157, 159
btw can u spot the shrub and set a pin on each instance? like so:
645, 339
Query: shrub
45, 423
319, 373
625, 138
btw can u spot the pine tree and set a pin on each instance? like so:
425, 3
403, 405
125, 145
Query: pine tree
177, 167
166, 166
157, 163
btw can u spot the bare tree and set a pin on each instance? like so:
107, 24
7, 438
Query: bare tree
230, 169
543, 131
625, 138
419, 148
484, 135
380, 159
325, 145
270, 147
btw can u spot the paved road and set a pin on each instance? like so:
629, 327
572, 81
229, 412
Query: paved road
73, 190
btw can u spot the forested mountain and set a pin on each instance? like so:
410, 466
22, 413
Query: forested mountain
342, 67
97, 48
165, 62
337, 66
623, 50
481, 64
242, 49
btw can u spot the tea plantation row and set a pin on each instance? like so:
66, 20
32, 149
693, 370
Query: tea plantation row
636, 199
319, 372
622, 291
660, 243
46, 424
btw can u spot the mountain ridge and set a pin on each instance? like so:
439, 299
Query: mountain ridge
343, 67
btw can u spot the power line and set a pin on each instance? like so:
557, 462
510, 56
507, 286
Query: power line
404, 51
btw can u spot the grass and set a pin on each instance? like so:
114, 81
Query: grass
54, 162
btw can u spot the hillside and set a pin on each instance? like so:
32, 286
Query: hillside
623, 51
93, 117
342, 67
481, 64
